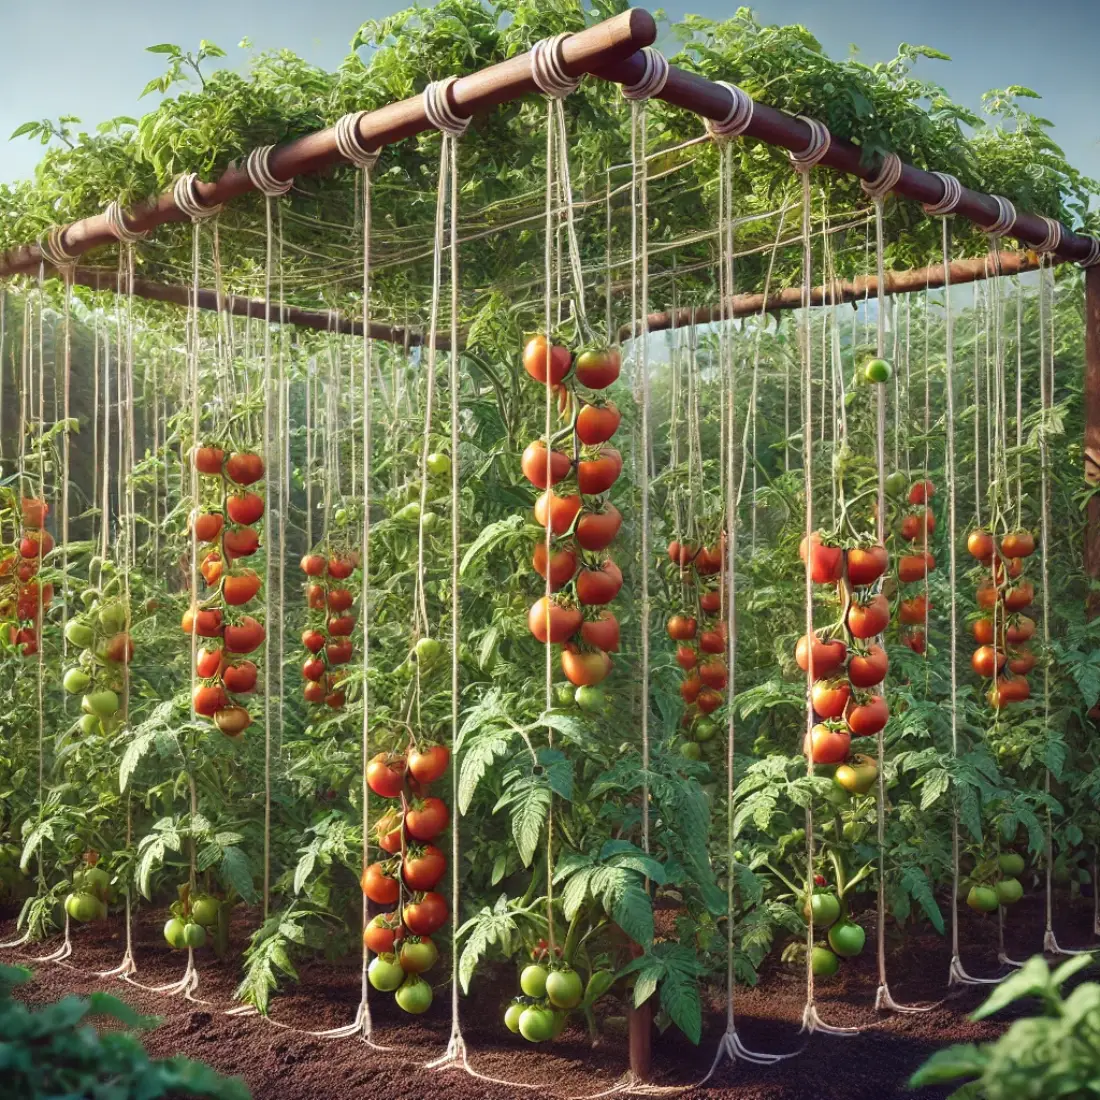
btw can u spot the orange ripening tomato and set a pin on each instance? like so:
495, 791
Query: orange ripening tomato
681, 628
1021, 661
987, 661
584, 667
824, 745
913, 611
866, 564
558, 512
533, 465
1005, 690
207, 623
239, 588
539, 354
980, 545
982, 629
34, 511
690, 688
912, 567
825, 562
597, 423
232, 721
549, 621
1020, 629
1018, 544
680, 553
824, 658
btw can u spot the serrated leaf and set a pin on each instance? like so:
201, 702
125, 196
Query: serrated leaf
238, 872
476, 760
529, 814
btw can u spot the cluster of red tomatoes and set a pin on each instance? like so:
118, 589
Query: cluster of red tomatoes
913, 568
582, 521
401, 937
227, 533
700, 653
1001, 628
22, 598
848, 670
328, 634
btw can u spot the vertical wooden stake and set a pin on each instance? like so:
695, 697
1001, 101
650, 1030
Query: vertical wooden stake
641, 1034
1092, 429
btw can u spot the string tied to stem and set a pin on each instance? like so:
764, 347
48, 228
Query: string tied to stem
348, 145
54, 252
887, 179
548, 68
258, 166
441, 114
738, 117
187, 200
1093, 258
653, 79
116, 222
1053, 239
1006, 218
949, 200
815, 151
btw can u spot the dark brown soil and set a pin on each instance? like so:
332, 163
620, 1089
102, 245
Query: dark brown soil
287, 1063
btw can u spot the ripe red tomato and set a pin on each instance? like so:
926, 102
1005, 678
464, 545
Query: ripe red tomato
428, 764
313, 668
533, 465
313, 565
867, 718
711, 559
915, 640
825, 745
713, 640
35, 544
597, 530
597, 474
244, 468
386, 774
596, 587
315, 596
597, 368
239, 588
340, 568
686, 657
1008, 690
1018, 544
865, 620
208, 699
208, 460
980, 545
922, 492
912, 567
208, 526
426, 818
382, 932
825, 561
240, 677
339, 599
549, 621
690, 688
34, 511
602, 632
207, 661
866, 564
232, 721
245, 636
558, 512
708, 700
313, 640
986, 661
915, 524
240, 542
212, 568
710, 601
341, 626
597, 423
1020, 629
830, 697
987, 595
563, 564
982, 629
713, 673
206, 624
1019, 596
1021, 661
314, 692
244, 508
379, 886
423, 867
339, 651
538, 353
681, 628
913, 611
584, 667
425, 915
681, 553
825, 657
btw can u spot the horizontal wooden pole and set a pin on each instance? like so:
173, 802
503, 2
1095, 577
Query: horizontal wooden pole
322, 320
605, 43
897, 282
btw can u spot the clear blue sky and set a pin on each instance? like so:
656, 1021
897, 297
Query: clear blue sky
87, 58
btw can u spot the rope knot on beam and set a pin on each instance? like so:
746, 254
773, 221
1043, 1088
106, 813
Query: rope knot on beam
1006, 218
653, 79
548, 68
886, 180
259, 171
737, 119
116, 220
438, 109
814, 153
54, 251
346, 135
949, 201
188, 202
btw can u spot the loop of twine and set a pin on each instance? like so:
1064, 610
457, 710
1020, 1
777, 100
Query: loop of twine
346, 135
1053, 240
1006, 218
886, 180
54, 251
437, 106
814, 153
258, 166
739, 116
1093, 258
116, 222
548, 68
949, 201
653, 79
188, 202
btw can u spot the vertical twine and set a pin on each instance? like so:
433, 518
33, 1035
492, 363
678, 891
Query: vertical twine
271, 547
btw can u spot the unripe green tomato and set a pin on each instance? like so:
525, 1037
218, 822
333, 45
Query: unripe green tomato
1009, 891
194, 935
82, 906
204, 911
89, 597
589, 698
565, 694
431, 520
564, 988
825, 909
536, 1024
79, 634
90, 725
427, 650
896, 483
877, 371
439, 464
847, 939
511, 1016
385, 973
561, 1018
533, 980
112, 617
689, 750
96, 881
982, 899
824, 963
174, 933
414, 996
1011, 863
705, 730
103, 703
76, 681
340, 517
410, 513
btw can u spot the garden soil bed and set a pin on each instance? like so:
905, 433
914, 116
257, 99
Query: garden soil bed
281, 1061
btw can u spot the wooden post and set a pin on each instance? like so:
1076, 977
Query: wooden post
1092, 430
641, 1035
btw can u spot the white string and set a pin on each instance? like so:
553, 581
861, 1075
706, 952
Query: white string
653, 79
438, 109
187, 201
1006, 218
346, 135
1093, 258
739, 116
816, 150
116, 222
886, 180
949, 201
548, 68
54, 252
263, 179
